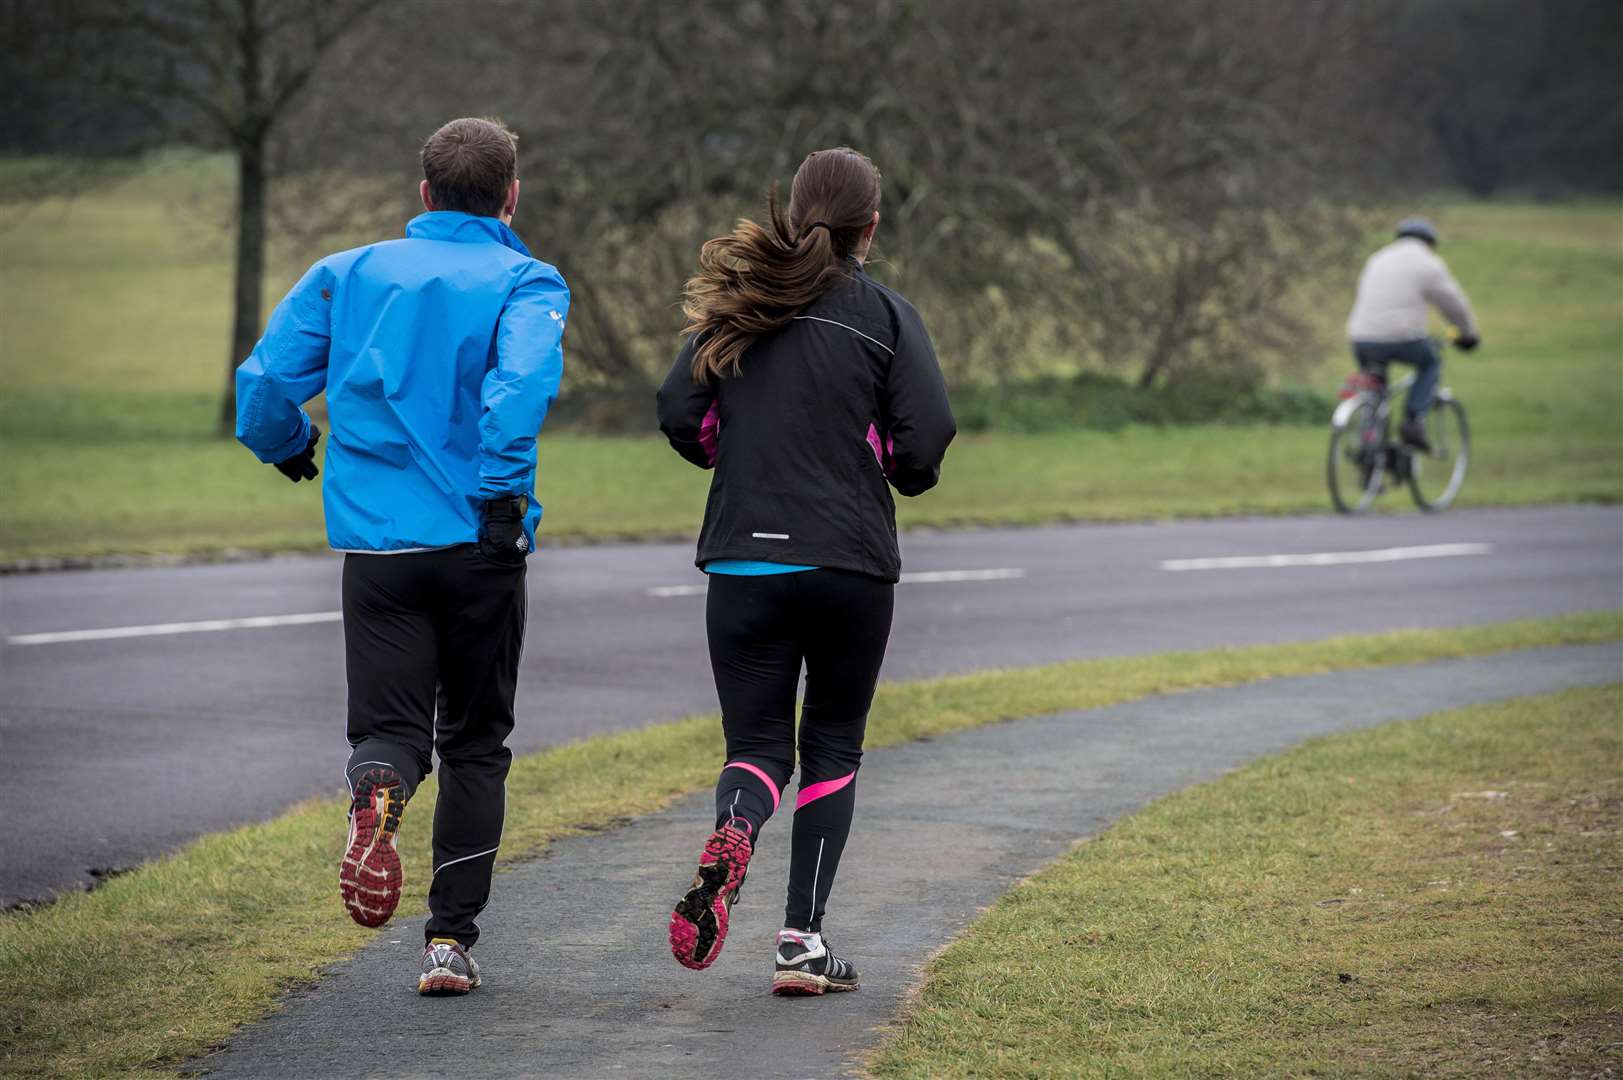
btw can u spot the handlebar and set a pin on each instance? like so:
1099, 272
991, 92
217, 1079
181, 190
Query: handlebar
1455, 338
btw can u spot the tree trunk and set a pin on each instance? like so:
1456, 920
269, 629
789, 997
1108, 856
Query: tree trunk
250, 272
250, 136
1167, 339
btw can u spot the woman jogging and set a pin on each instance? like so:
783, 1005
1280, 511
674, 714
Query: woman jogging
806, 386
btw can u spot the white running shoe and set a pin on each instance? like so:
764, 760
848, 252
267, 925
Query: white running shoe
806, 967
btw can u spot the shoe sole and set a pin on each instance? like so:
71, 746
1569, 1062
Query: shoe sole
369, 878
699, 921
806, 984
444, 982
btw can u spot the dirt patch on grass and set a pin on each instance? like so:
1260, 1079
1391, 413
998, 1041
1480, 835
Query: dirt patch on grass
1541, 861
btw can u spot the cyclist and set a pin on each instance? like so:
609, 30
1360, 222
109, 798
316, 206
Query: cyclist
1388, 320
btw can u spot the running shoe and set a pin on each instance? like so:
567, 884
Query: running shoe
1413, 433
447, 968
699, 922
369, 878
807, 968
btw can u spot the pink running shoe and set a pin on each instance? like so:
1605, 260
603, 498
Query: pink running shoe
369, 878
699, 922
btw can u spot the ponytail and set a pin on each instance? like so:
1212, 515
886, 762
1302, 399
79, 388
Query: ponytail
754, 281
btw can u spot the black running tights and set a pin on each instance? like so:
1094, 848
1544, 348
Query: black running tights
761, 630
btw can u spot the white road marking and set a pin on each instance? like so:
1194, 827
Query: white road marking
258, 622
255, 622
676, 590
1328, 558
923, 577
927, 577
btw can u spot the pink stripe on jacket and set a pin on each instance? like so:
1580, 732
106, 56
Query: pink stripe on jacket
709, 430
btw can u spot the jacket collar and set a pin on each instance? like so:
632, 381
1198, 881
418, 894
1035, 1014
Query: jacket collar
459, 228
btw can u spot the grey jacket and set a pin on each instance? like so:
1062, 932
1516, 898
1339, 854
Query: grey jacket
1397, 283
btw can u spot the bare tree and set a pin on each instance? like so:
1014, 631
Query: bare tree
222, 72
1137, 186
1135, 183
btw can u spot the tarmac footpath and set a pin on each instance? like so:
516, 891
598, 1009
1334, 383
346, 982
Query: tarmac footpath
578, 978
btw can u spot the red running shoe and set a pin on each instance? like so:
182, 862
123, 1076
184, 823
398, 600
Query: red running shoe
369, 878
699, 922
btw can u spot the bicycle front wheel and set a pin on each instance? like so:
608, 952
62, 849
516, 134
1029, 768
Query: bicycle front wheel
1357, 460
1435, 477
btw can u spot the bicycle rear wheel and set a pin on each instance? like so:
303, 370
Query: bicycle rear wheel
1435, 477
1357, 460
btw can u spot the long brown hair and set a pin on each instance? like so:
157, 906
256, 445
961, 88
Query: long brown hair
755, 280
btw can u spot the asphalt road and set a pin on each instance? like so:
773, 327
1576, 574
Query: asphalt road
115, 750
578, 979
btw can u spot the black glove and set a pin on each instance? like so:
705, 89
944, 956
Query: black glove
1467, 342
302, 466
501, 532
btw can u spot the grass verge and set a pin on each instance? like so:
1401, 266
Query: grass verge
114, 319
1430, 898
209, 938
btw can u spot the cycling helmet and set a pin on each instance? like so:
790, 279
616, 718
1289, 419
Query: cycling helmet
1419, 228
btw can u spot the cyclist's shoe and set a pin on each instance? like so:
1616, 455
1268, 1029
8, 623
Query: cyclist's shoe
807, 968
447, 968
369, 878
699, 921
1414, 435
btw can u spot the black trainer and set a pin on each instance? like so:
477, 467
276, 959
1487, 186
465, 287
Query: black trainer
806, 967
1414, 434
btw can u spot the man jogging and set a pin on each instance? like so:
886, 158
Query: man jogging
1388, 320
440, 354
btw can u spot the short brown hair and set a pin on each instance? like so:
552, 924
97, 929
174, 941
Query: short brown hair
470, 165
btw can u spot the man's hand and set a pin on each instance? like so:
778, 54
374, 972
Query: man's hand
302, 466
1467, 342
501, 532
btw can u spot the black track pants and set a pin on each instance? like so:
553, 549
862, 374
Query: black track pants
432, 643
761, 630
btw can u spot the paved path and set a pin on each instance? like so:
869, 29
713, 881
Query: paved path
112, 751
578, 978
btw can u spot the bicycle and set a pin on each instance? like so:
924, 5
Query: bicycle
1363, 454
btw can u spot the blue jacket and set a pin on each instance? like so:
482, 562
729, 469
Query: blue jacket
440, 355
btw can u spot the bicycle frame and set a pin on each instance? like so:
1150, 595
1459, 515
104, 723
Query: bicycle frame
1383, 410
1383, 404
1383, 401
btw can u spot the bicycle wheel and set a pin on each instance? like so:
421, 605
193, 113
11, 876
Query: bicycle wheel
1357, 460
1435, 478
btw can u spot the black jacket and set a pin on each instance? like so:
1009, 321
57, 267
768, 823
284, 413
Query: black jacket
803, 440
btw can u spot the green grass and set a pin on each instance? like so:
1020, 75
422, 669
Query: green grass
1432, 898
114, 323
222, 958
